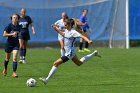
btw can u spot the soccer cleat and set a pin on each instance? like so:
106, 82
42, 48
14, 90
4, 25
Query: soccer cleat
14, 75
20, 61
87, 50
4, 72
81, 51
43, 80
23, 61
97, 53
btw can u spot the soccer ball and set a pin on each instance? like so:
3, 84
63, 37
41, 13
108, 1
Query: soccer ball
31, 82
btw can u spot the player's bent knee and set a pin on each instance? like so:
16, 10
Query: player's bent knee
79, 64
62, 47
64, 59
14, 60
56, 64
7, 59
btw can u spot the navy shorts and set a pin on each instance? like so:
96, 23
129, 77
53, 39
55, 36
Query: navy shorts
9, 47
64, 58
24, 36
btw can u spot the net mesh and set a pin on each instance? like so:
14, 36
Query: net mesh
106, 18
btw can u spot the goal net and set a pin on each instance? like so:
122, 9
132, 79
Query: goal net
106, 18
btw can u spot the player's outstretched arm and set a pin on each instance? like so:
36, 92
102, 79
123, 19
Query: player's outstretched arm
86, 39
58, 30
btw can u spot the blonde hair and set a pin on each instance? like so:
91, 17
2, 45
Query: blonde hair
77, 26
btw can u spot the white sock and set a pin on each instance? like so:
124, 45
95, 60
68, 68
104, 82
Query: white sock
52, 71
62, 52
87, 57
21, 57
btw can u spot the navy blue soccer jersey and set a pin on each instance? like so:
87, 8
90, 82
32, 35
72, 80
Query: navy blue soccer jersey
83, 19
11, 29
24, 23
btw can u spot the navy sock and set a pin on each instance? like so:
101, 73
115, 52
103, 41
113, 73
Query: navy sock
6, 64
24, 52
21, 52
81, 45
14, 66
86, 44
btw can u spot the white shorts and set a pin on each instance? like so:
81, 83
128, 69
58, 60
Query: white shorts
60, 37
70, 54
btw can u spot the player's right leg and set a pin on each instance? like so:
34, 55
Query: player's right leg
61, 42
54, 69
62, 51
8, 50
25, 38
6, 61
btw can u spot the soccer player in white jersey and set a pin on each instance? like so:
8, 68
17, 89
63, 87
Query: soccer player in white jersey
60, 24
70, 35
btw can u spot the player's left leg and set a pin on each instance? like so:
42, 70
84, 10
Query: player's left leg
81, 45
77, 61
86, 44
15, 53
21, 43
23, 48
85, 58
89, 56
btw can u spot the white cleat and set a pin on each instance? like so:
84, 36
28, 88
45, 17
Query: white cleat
43, 80
23, 61
20, 61
97, 53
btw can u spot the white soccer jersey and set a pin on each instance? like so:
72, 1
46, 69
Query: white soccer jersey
69, 41
61, 25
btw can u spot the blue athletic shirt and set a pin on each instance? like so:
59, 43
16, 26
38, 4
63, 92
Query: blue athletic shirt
24, 23
83, 19
11, 29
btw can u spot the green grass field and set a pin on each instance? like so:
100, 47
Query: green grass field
118, 71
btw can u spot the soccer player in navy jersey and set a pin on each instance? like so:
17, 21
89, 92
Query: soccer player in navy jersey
70, 35
12, 44
24, 22
84, 27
